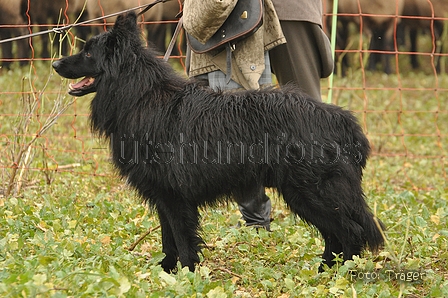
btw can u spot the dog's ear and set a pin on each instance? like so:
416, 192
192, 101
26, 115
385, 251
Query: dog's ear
126, 23
124, 31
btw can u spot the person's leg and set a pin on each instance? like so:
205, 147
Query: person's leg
303, 59
256, 211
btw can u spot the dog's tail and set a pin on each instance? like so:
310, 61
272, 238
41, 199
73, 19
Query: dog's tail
373, 231
360, 151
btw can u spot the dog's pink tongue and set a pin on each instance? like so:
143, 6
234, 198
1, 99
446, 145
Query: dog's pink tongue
84, 82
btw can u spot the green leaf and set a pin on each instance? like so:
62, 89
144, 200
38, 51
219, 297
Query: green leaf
217, 292
290, 284
40, 279
419, 221
167, 278
125, 285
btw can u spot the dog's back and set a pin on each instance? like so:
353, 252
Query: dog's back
276, 115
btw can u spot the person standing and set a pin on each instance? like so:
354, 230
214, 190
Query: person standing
250, 70
303, 60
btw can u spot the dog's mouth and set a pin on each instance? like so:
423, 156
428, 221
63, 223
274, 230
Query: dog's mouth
83, 87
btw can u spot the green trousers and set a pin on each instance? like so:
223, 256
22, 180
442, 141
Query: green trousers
304, 59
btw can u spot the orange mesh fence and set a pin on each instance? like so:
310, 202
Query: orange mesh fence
401, 103
401, 106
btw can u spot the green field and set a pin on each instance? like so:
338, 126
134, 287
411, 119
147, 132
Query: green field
68, 221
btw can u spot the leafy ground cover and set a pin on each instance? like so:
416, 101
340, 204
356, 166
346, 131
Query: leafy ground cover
66, 233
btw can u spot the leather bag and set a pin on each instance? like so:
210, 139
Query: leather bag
245, 18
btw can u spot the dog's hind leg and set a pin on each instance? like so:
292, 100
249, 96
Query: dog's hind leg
180, 238
336, 207
332, 247
318, 212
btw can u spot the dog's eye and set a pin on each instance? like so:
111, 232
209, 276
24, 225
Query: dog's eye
88, 55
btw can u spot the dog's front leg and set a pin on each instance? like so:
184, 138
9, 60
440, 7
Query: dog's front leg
168, 243
180, 238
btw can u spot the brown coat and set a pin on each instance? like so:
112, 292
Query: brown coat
248, 56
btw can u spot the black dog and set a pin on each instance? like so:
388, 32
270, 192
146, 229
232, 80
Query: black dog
183, 146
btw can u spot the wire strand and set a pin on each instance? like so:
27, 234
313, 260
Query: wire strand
60, 30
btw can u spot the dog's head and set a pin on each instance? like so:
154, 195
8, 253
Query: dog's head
102, 55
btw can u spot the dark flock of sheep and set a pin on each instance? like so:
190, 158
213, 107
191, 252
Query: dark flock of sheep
378, 22
375, 18
16, 16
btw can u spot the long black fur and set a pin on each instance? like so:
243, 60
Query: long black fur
183, 146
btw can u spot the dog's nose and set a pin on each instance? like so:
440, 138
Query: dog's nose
56, 64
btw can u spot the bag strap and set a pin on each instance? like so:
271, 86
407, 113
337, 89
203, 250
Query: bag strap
169, 50
229, 49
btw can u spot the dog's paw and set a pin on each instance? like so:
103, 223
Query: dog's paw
169, 264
